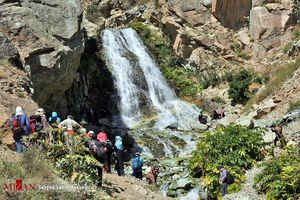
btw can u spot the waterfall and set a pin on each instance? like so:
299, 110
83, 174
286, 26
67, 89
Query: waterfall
140, 84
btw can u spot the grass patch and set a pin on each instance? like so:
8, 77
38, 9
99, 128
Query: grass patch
294, 105
278, 77
218, 99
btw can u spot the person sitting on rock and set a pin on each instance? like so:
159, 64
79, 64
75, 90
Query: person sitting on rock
20, 126
137, 166
69, 122
152, 175
216, 115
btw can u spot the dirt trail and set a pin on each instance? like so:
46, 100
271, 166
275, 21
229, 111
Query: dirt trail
125, 187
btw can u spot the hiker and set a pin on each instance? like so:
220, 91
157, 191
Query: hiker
44, 123
69, 122
222, 180
137, 164
222, 114
20, 126
90, 134
279, 136
54, 120
96, 151
216, 115
152, 175
107, 146
119, 156
202, 119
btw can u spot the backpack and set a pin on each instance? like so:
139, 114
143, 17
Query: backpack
107, 146
53, 120
35, 123
17, 127
100, 151
136, 164
229, 178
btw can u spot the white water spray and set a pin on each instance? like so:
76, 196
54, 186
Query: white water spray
139, 82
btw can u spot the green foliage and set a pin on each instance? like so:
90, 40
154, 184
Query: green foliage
73, 160
92, 13
218, 99
287, 47
239, 87
294, 105
235, 147
185, 81
280, 178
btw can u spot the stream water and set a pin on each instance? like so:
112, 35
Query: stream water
142, 93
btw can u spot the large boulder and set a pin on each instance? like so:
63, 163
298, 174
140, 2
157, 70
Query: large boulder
269, 27
231, 13
7, 49
49, 38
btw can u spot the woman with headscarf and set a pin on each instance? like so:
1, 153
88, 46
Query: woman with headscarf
119, 155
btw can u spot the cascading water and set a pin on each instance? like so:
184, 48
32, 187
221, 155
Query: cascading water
140, 84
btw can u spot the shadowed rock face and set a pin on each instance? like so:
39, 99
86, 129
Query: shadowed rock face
49, 39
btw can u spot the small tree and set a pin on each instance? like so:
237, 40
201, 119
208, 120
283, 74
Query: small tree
238, 90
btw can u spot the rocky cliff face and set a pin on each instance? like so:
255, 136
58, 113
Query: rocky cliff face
48, 38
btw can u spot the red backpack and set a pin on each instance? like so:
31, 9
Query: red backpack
17, 127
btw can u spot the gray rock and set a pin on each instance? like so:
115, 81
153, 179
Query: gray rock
7, 49
49, 38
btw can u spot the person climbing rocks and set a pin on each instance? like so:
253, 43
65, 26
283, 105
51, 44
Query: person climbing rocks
107, 146
279, 136
69, 122
222, 180
152, 175
20, 126
137, 166
119, 156
54, 120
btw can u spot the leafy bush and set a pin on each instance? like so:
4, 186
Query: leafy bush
73, 160
239, 87
280, 178
235, 147
218, 99
294, 105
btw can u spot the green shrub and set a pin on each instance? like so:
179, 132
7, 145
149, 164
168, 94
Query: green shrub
92, 13
280, 178
235, 147
239, 87
294, 105
218, 99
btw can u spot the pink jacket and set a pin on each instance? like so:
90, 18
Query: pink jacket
102, 137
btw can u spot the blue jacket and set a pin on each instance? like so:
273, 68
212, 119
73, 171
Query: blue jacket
25, 122
119, 144
54, 114
140, 169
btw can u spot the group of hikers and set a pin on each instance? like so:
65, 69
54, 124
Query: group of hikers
99, 145
216, 115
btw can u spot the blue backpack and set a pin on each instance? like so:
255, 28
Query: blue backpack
136, 163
